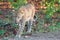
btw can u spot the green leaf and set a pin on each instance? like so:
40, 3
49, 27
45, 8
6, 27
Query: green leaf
0, 12
17, 4
2, 32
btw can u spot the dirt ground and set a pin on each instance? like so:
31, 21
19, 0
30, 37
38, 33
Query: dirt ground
39, 36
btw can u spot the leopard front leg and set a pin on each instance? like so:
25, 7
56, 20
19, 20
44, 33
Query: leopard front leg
21, 27
30, 22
